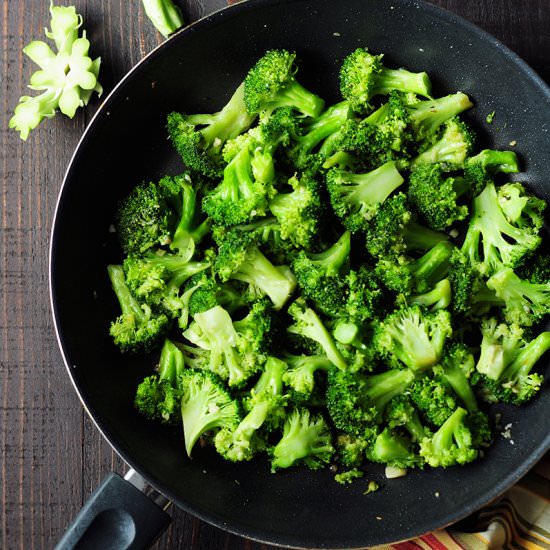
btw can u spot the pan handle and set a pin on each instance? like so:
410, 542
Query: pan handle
119, 514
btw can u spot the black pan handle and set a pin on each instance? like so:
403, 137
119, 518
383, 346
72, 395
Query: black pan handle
117, 516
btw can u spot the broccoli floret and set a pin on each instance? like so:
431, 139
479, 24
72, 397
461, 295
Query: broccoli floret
137, 329
356, 402
470, 294
381, 137
525, 303
363, 296
319, 137
154, 277
451, 149
306, 439
350, 450
434, 399
394, 231
205, 405
426, 117
363, 76
437, 197
300, 376
413, 337
265, 406
299, 212
236, 349
158, 396
271, 83
240, 258
240, 197
406, 275
506, 360
320, 275
521, 208
491, 241
393, 449
480, 169
356, 198
535, 269
308, 325
451, 444
200, 138
401, 412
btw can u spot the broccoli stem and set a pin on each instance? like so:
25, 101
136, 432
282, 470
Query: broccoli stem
419, 237
379, 389
437, 298
128, 304
401, 80
335, 257
231, 121
171, 363
527, 357
296, 95
427, 116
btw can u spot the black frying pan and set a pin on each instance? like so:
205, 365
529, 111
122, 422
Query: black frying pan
196, 71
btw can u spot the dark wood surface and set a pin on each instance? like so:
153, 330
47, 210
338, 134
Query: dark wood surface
52, 457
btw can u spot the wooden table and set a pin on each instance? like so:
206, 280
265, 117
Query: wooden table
44, 432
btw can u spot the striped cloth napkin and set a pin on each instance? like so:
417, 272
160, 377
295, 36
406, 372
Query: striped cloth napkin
520, 519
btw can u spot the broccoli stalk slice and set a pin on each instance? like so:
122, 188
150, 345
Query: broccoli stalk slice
501, 244
205, 405
307, 324
306, 438
356, 197
165, 15
451, 444
427, 116
525, 303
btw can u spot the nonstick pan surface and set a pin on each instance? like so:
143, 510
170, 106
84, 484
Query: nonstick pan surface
196, 71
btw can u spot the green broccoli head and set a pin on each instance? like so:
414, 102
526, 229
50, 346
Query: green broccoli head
271, 83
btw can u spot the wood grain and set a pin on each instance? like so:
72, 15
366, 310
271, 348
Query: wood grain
52, 457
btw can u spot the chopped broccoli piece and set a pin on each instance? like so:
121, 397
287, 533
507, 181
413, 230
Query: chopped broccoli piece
356, 198
393, 449
451, 444
205, 405
306, 439
300, 376
271, 83
480, 169
199, 139
165, 15
137, 329
363, 76
239, 258
414, 337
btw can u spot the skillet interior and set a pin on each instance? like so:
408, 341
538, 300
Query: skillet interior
196, 71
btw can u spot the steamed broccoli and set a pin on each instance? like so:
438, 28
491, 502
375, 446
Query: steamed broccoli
300, 375
492, 242
356, 198
451, 444
240, 258
363, 76
394, 449
264, 406
158, 396
306, 439
271, 83
199, 139
205, 405
506, 360
480, 169
413, 337
138, 328
356, 402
